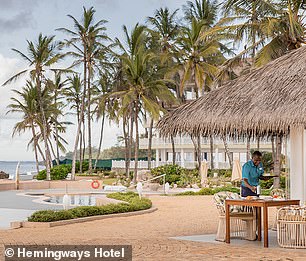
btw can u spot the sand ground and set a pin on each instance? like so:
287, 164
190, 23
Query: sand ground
149, 234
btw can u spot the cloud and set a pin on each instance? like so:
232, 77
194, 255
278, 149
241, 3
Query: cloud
13, 4
21, 20
17, 14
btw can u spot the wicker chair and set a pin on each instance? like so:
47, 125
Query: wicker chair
291, 227
242, 219
281, 194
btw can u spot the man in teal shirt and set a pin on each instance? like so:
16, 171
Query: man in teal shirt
252, 172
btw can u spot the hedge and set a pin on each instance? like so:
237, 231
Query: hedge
134, 203
59, 172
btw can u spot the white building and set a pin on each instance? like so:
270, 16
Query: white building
185, 152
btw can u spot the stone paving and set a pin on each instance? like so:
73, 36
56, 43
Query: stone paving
151, 234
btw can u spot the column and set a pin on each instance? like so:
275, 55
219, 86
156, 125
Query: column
216, 157
163, 155
297, 149
157, 157
182, 158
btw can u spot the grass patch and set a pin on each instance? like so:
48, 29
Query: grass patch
133, 203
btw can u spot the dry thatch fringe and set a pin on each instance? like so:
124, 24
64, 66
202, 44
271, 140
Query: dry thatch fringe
264, 102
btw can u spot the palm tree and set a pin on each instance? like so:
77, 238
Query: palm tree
40, 57
104, 86
285, 31
143, 87
165, 26
276, 26
200, 59
73, 94
56, 86
165, 30
86, 42
201, 10
26, 104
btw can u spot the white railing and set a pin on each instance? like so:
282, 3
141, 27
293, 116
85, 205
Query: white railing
142, 164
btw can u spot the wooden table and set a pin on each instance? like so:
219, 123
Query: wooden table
260, 203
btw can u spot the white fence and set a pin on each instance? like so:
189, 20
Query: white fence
142, 164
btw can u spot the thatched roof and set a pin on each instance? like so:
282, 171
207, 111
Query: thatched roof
267, 100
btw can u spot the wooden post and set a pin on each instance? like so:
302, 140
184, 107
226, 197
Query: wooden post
228, 223
265, 224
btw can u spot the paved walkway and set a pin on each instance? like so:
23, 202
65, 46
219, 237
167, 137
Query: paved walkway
151, 234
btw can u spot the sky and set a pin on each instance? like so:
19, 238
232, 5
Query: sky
22, 20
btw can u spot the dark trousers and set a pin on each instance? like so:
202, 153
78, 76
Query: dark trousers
247, 192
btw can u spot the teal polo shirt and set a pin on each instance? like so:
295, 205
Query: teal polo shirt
252, 173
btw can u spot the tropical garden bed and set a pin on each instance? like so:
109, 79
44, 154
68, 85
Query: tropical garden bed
133, 203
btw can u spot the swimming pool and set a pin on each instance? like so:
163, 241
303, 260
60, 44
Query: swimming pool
78, 200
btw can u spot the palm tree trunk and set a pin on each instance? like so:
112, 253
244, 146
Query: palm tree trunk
44, 123
56, 132
173, 149
248, 148
100, 142
52, 149
35, 147
89, 121
273, 148
211, 141
136, 143
226, 148
195, 142
277, 163
131, 140
150, 144
84, 140
199, 152
126, 129
76, 142
80, 143
50, 157
57, 147
41, 153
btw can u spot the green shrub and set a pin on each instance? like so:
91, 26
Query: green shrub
50, 215
172, 172
176, 174
266, 184
221, 172
210, 191
187, 193
57, 172
134, 203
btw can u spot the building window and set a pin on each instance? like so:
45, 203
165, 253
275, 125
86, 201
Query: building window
177, 156
204, 156
188, 156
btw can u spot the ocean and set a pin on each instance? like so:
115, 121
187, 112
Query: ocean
9, 167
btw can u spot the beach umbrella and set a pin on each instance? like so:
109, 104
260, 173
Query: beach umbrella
237, 171
203, 173
17, 176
